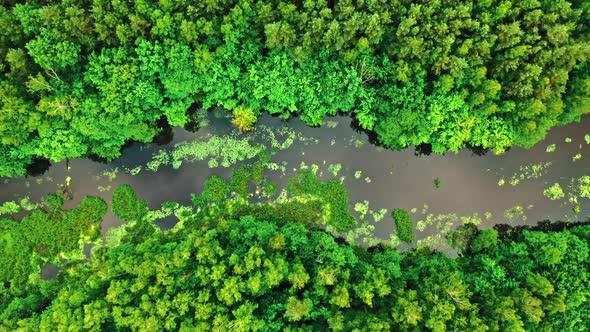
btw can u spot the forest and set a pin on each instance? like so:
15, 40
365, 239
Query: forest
82, 78
234, 265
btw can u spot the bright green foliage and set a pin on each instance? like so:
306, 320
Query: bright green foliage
584, 186
37, 239
520, 283
126, 205
216, 189
403, 225
332, 193
244, 118
554, 192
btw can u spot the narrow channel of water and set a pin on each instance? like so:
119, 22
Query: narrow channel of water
469, 183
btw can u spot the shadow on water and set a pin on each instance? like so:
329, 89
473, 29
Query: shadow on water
424, 149
513, 233
38, 167
371, 135
165, 134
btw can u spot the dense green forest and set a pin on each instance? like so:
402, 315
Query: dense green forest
230, 265
83, 77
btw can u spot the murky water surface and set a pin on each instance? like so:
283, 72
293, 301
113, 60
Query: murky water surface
469, 184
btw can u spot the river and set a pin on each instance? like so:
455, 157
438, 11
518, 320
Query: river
469, 184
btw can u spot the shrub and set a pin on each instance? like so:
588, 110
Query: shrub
126, 205
244, 118
216, 189
404, 225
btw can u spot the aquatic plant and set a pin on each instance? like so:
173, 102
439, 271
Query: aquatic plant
111, 174
331, 124
550, 148
530, 171
378, 215
334, 168
514, 213
584, 186
437, 183
554, 192
362, 208
358, 174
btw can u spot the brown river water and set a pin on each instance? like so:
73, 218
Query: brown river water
469, 183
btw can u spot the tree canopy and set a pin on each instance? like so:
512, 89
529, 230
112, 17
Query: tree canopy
234, 265
84, 77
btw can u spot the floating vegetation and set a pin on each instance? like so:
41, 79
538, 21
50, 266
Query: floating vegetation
13, 207
514, 213
357, 143
134, 171
223, 150
111, 174
567, 140
584, 186
530, 171
501, 182
331, 124
362, 209
273, 166
443, 224
358, 174
226, 151
587, 138
166, 210
368, 180
314, 169
103, 189
379, 215
437, 183
578, 188
364, 231
334, 168
577, 157
445, 219
332, 142
488, 215
550, 148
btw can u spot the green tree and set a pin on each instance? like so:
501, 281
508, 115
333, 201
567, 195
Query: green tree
404, 225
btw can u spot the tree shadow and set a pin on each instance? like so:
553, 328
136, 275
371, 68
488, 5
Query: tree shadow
38, 167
